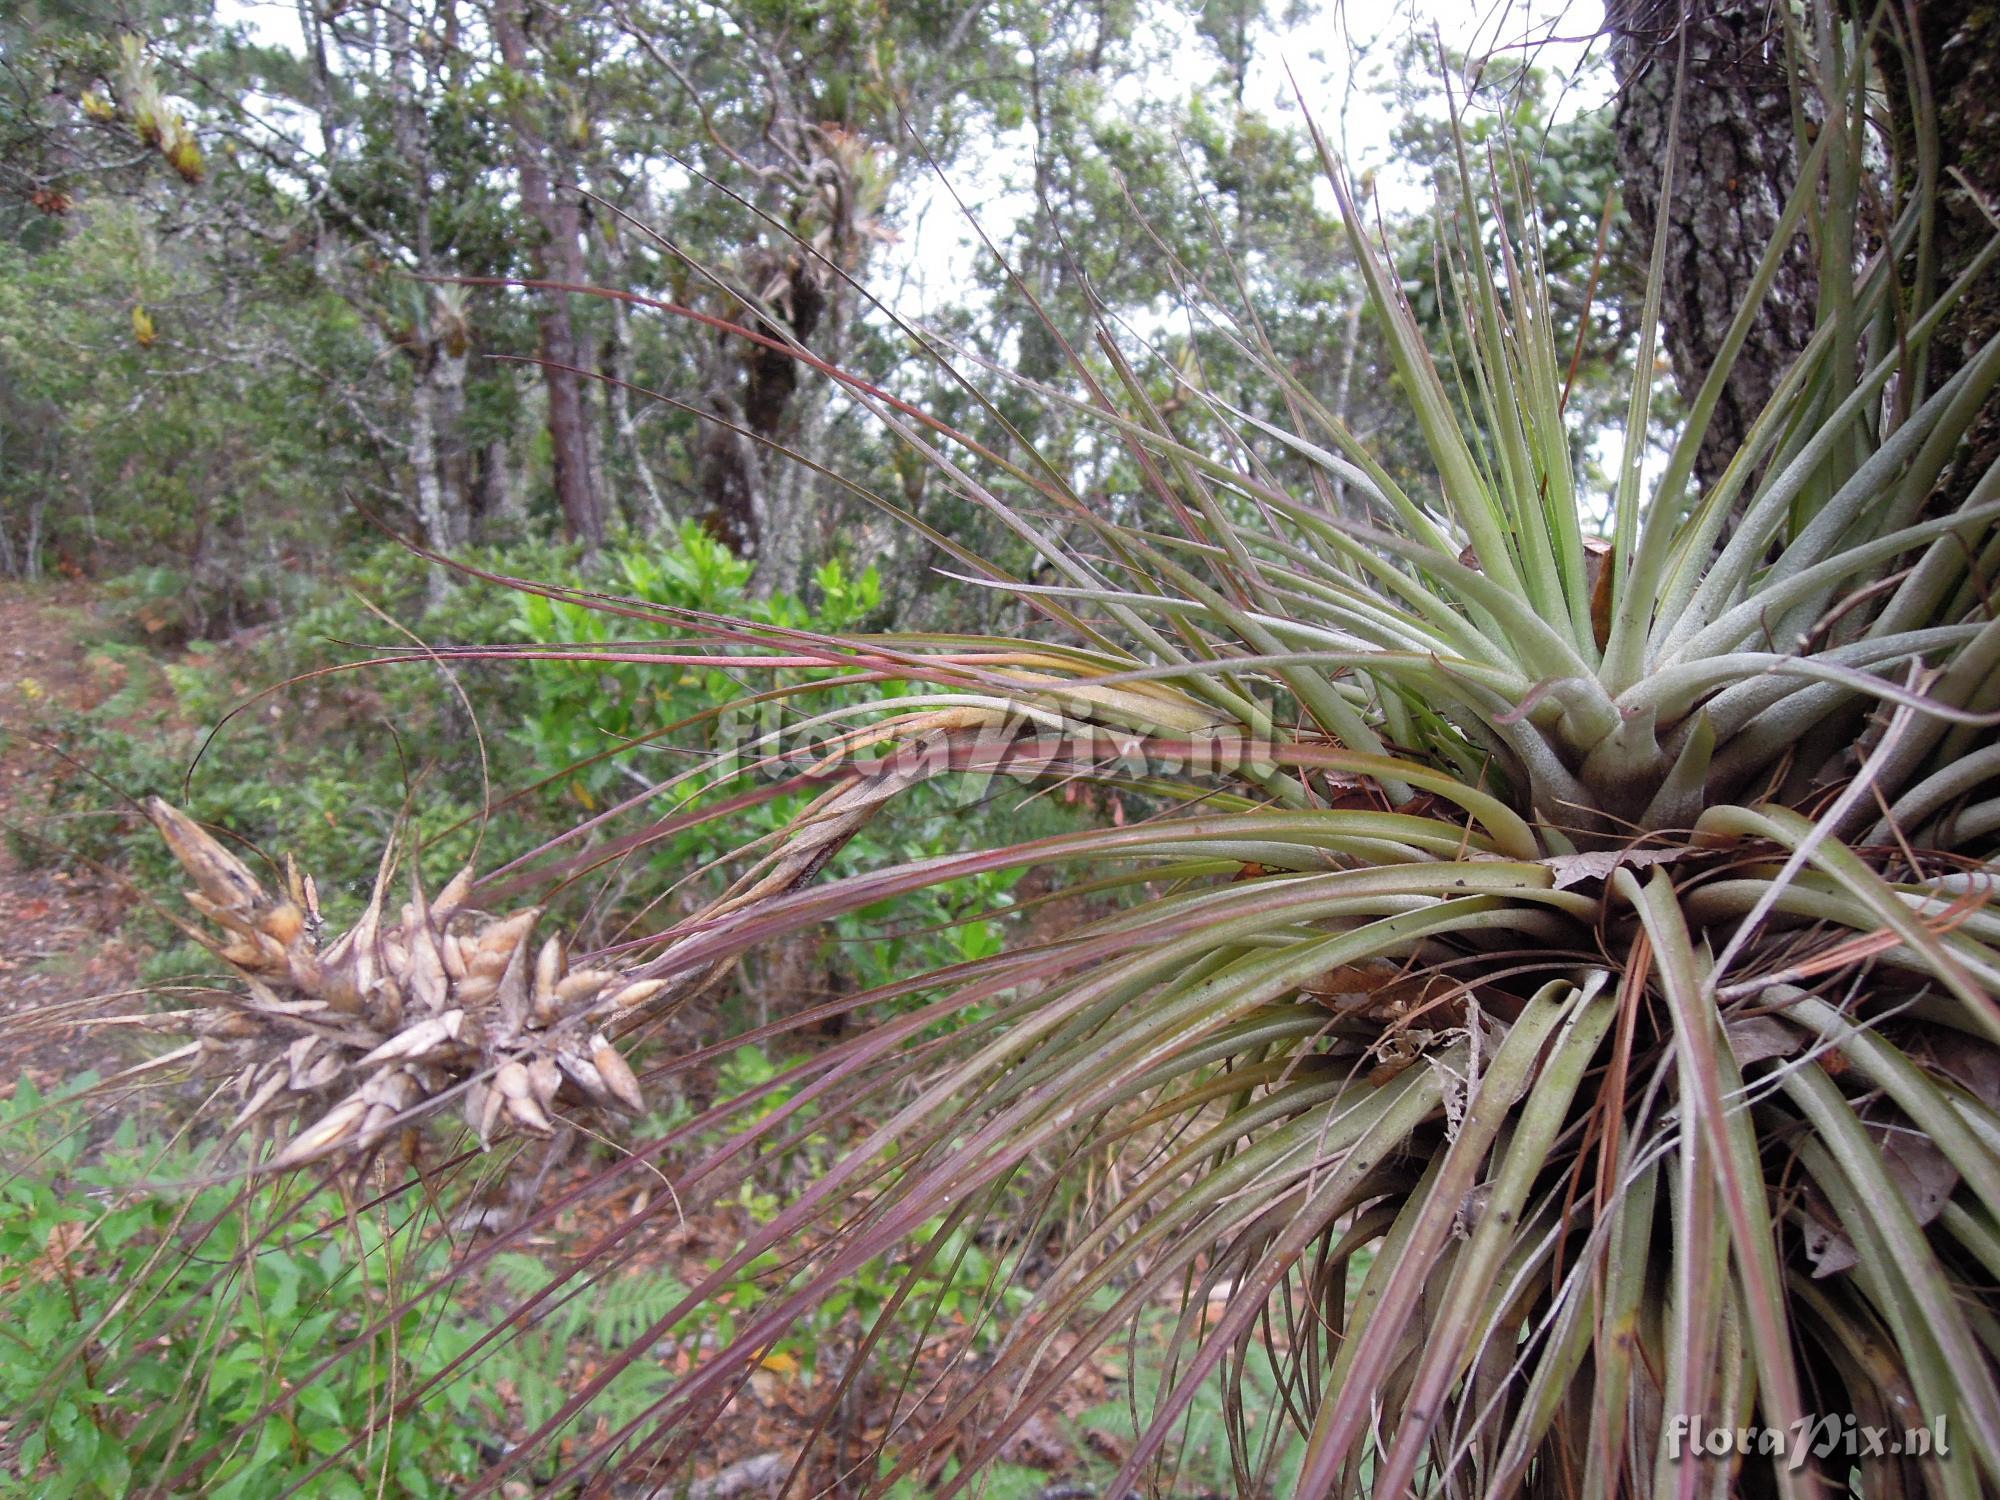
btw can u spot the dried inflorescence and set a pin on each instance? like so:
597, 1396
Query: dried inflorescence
394, 1019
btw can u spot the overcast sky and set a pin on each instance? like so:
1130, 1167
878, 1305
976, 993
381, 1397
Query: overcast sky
1337, 55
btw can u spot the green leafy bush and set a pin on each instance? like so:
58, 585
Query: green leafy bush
330, 762
148, 1325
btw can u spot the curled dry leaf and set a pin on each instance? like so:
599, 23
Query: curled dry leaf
1827, 1245
1756, 1038
1597, 864
1921, 1172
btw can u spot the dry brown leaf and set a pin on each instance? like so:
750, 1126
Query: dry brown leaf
1597, 864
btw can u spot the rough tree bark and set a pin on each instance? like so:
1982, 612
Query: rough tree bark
497, 512
647, 510
558, 257
1737, 161
1735, 164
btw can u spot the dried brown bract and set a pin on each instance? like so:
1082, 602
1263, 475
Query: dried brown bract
399, 1016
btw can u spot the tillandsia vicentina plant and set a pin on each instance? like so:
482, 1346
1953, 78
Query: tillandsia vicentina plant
1557, 1001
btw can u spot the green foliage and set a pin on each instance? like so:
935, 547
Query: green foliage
1216, 1427
1561, 173
148, 1325
954, 1287
573, 715
258, 769
264, 1330
168, 446
539, 1362
997, 1482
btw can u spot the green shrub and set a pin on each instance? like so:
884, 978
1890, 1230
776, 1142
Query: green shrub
148, 1325
329, 764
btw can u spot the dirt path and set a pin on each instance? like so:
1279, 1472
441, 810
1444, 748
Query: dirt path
60, 953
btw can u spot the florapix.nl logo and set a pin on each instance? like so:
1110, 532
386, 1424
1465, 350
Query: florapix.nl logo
1822, 1437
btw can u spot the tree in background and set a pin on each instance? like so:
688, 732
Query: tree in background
755, 164
1744, 120
545, 170
1734, 161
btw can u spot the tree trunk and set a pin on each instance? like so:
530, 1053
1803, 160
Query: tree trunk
647, 511
437, 452
437, 342
1735, 164
558, 257
754, 494
758, 498
494, 501
794, 520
